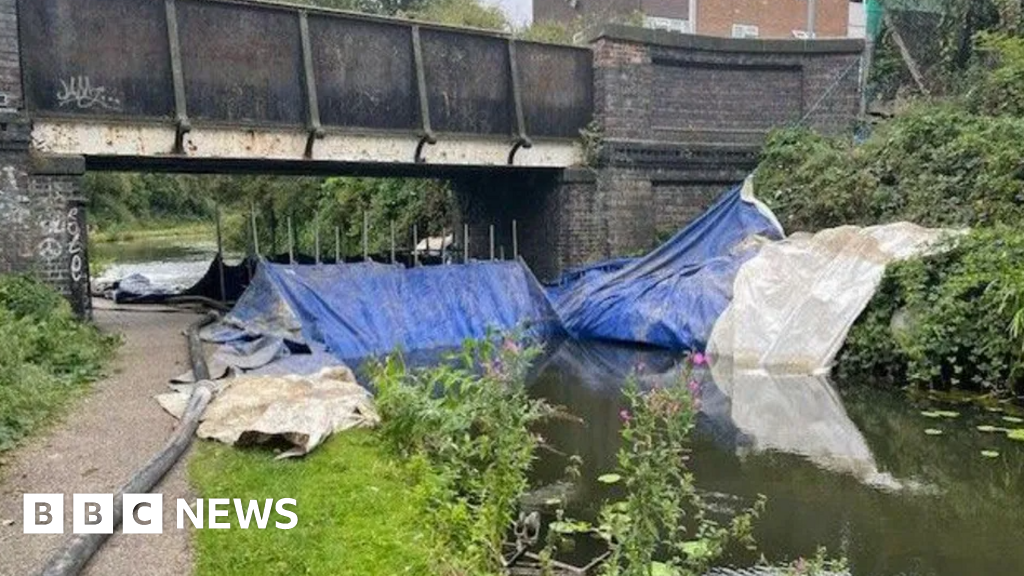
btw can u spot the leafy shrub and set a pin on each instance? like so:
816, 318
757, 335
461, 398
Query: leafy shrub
661, 526
944, 320
468, 423
1001, 90
934, 165
47, 354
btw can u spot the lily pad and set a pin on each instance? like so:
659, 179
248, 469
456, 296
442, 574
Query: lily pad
990, 454
609, 478
947, 413
987, 428
1013, 419
932, 431
1016, 434
930, 414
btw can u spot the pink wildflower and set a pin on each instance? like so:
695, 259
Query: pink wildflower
624, 414
694, 387
699, 359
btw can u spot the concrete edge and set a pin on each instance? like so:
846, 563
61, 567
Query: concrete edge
716, 44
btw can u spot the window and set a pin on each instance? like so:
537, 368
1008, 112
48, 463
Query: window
744, 31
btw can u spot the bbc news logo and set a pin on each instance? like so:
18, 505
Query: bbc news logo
144, 513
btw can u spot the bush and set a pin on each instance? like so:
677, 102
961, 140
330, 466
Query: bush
468, 423
935, 165
46, 357
945, 320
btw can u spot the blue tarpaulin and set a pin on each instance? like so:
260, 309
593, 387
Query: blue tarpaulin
671, 297
369, 309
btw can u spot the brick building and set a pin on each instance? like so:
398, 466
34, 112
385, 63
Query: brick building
729, 18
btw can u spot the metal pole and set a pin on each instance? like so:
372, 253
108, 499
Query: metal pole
291, 243
444, 245
255, 232
220, 255
501, 252
366, 235
812, 15
337, 245
515, 241
492, 241
415, 245
316, 237
392, 241
465, 243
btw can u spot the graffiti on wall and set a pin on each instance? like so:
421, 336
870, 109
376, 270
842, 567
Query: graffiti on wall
74, 230
79, 92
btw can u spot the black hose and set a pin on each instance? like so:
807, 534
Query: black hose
76, 552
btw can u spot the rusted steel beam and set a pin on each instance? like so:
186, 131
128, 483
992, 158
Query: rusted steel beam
316, 130
182, 124
427, 136
522, 140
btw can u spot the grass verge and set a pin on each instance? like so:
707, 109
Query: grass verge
47, 358
360, 512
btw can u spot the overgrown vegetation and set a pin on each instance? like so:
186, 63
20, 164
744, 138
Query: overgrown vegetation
467, 425
953, 319
46, 359
661, 525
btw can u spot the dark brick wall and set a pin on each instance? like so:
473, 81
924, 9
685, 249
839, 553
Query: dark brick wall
10, 62
661, 86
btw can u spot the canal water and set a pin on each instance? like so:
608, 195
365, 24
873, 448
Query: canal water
847, 467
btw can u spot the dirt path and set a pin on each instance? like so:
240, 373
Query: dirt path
104, 437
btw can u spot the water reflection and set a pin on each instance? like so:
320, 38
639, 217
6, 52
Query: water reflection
835, 462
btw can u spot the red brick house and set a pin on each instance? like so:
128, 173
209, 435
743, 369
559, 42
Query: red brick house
731, 18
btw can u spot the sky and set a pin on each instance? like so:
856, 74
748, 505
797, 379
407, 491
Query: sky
518, 12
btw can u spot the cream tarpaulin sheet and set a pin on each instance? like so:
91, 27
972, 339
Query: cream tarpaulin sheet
795, 301
303, 410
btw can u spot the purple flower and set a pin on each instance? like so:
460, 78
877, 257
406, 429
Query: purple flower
699, 359
624, 414
694, 387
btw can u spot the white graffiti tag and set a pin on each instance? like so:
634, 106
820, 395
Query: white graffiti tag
50, 249
79, 92
13, 204
75, 245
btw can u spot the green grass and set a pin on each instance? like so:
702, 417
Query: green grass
360, 513
151, 230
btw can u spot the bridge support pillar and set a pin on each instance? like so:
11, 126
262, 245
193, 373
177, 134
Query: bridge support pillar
42, 214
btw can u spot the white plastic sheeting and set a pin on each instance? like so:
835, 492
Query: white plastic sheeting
302, 410
795, 301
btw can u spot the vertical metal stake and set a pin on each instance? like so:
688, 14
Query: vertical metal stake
465, 243
392, 241
291, 243
366, 236
337, 245
220, 255
444, 245
316, 237
492, 241
255, 232
415, 246
501, 252
515, 241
